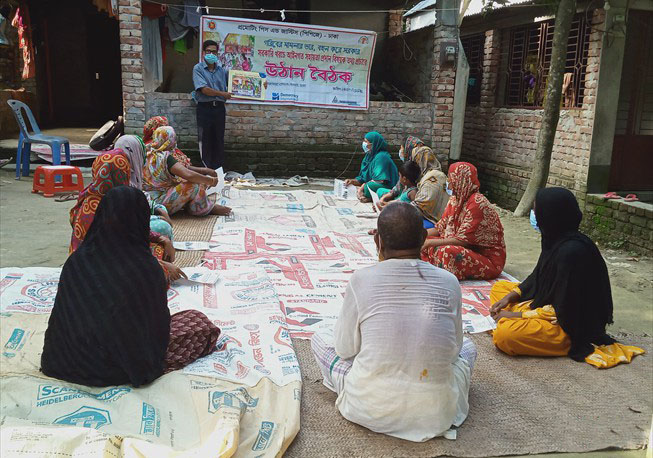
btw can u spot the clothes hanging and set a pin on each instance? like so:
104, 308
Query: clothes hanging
152, 54
22, 22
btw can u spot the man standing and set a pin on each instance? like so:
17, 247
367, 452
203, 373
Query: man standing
397, 358
210, 81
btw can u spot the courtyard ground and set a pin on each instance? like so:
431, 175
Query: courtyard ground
35, 231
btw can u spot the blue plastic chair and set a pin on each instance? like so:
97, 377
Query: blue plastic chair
26, 139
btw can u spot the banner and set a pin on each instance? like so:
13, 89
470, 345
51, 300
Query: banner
303, 64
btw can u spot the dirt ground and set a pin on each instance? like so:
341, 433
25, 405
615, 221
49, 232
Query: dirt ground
35, 231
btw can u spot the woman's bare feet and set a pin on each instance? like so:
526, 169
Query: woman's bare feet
220, 210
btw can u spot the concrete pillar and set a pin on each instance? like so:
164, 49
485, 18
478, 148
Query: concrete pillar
611, 54
131, 57
443, 77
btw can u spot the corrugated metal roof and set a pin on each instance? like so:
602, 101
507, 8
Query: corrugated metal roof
475, 7
424, 4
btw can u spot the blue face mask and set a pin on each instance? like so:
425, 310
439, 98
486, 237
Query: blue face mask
211, 59
534, 221
401, 156
449, 191
366, 147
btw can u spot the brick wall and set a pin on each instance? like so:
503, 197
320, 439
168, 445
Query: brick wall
298, 140
501, 141
618, 224
131, 59
442, 90
395, 22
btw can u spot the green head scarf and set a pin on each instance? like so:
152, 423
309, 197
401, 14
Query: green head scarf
377, 164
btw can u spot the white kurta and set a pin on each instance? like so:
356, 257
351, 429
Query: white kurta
401, 323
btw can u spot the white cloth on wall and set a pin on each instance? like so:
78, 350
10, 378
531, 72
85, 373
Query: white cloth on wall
401, 322
152, 54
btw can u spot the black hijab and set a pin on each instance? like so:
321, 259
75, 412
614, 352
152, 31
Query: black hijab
110, 324
570, 274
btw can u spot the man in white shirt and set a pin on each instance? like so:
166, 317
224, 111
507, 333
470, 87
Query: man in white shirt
397, 358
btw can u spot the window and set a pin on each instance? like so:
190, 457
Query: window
529, 57
474, 46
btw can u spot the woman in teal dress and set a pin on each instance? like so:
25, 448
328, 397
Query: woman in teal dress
377, 169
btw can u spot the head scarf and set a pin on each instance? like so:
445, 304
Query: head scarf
133, 147
109, 170
164, 139
110, 324
469, 216
151, 125
410, 143
570, 274
431, 197
426, 159
377, 164
463, 181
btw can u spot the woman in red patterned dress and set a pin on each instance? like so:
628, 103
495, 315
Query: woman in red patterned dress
468, 240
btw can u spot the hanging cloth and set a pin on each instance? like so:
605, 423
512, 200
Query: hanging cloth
22, 23
3, 27
176, 29
152, 54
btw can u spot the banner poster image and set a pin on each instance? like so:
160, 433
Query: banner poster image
305, 65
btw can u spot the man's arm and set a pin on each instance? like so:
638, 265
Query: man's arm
347, 331
202, 85
213, 93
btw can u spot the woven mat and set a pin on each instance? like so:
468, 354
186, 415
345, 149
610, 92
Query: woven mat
191, 228
518, 406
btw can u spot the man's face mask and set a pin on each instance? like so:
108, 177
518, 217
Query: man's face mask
210, 58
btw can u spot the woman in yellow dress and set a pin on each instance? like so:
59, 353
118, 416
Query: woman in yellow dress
564, 306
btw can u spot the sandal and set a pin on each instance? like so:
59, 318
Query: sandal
66, 197
631, 198
611, 195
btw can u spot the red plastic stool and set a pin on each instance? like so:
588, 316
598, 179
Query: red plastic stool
50, 173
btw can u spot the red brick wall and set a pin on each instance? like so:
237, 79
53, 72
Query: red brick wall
131, 54
501, 141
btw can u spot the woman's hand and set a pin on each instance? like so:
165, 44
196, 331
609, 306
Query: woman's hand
428, 243
168, 249
506, 314
163, 215
209, 172
174, 272
499, 305
220, 210
352, 181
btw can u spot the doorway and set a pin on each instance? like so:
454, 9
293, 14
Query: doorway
79, 72
632, 153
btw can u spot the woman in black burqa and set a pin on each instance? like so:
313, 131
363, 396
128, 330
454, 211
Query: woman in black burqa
566, 300
110, 324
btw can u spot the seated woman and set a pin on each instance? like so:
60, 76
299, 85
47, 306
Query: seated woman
109, 170
563, 307
163, 174
148, 133
110, 324
377, 169
468, 240
133, 147
431, 197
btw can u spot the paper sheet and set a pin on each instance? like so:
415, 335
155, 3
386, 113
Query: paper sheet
217, 188
375, 202
200, 275
342, 191
191, 246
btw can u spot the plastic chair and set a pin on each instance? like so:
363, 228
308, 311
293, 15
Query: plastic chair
26, 139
